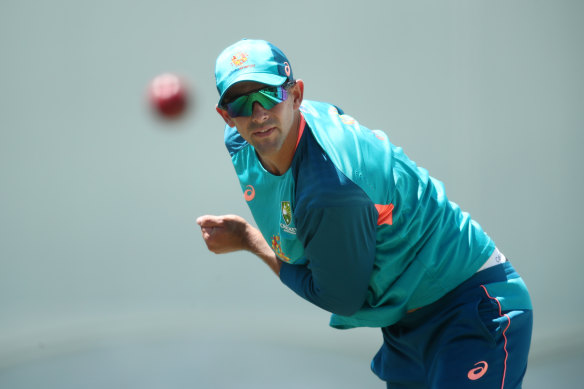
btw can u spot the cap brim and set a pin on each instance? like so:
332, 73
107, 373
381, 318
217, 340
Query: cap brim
263, 78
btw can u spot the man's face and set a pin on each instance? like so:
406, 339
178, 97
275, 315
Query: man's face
269, 131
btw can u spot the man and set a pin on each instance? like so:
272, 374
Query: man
352, 225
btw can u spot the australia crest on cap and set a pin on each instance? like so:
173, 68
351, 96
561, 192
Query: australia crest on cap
239, 59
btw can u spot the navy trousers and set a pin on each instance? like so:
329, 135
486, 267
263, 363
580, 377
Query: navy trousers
477, 336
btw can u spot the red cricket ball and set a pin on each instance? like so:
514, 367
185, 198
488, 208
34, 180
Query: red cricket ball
168, 95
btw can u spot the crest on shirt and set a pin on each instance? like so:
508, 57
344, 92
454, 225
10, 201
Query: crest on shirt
286, 212
286, 220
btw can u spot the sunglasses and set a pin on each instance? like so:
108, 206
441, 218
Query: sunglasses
268, 97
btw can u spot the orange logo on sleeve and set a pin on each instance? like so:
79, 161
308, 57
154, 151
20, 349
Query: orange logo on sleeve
385, 214
478, 372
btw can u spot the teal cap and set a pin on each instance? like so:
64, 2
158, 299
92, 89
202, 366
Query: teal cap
251, 60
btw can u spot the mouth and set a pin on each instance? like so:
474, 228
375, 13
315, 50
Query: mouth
264, 133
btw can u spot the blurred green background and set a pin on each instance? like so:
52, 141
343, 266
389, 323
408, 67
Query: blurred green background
104, 279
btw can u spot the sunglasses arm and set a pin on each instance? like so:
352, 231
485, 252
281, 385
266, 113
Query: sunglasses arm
223, 113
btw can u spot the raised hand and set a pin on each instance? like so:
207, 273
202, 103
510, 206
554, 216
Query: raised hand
225, 234
228, 233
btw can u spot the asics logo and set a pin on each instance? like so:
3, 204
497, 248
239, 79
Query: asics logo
249, 193
478, 372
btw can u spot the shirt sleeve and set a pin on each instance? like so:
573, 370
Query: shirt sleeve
339, 244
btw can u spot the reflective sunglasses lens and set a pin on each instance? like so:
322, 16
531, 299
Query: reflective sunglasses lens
238, 107
267, 97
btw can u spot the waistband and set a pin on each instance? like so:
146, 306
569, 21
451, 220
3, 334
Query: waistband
497, 273
495, 259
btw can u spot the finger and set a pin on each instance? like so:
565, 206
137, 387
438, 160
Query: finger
207, 231
209, 221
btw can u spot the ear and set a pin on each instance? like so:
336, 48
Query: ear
223, 113
297, 92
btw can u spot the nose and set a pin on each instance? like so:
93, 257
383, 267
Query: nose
258, 112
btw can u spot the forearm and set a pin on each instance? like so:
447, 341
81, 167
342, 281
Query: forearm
259, 247
342, 293
340, 248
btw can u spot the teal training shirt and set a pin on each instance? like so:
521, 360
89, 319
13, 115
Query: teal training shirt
363, 232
